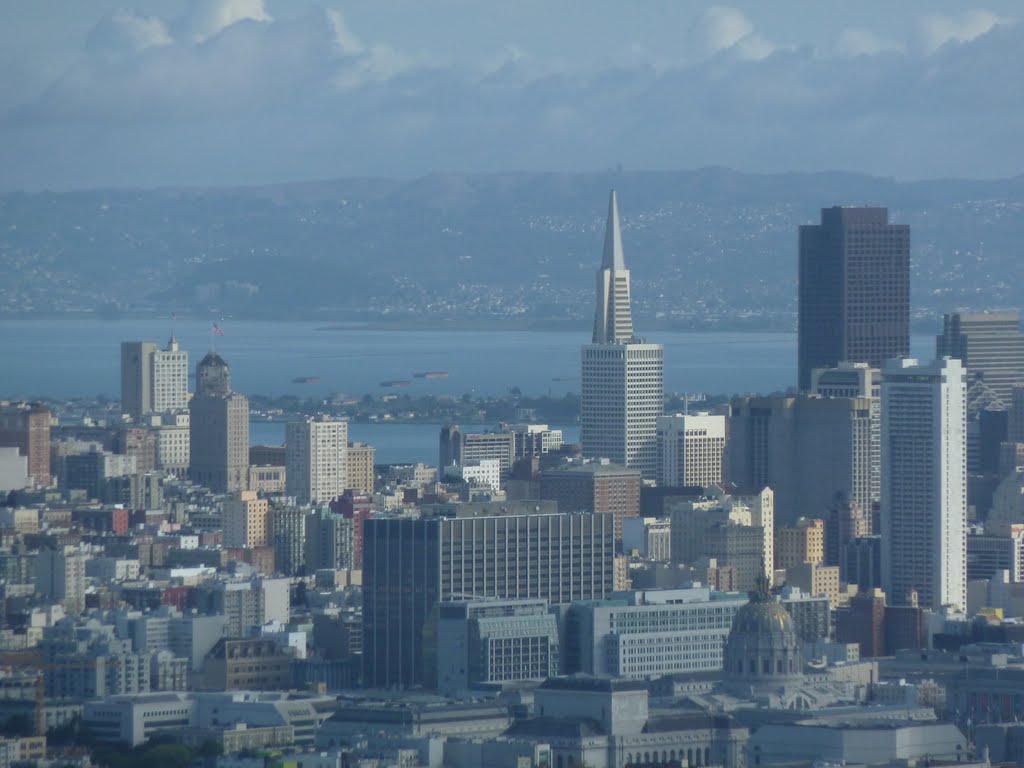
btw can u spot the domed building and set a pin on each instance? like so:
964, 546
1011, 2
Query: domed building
762, 653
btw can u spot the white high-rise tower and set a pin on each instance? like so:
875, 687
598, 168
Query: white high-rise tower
924, 482
316, 459
622, 380
153, 380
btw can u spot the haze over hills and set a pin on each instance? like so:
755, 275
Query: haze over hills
711, 248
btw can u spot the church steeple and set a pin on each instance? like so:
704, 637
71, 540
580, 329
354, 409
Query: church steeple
613, 317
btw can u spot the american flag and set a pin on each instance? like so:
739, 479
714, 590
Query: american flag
217, 330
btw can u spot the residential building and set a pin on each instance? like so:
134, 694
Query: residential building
989, 344
816, 579
622, 376
245, 520
804, 542
595, 486
924, 482
412, 565
60, 576
316, 459
691, 449
27, 427
360, 467
854, 290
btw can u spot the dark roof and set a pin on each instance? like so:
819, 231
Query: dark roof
556, 727
592, 684
212, 358
687, 721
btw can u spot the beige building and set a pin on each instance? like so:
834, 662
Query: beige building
361, 475
267, 479
801, 543
816, 579
245, 521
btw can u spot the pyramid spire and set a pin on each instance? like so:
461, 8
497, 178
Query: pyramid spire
613, 317
613, 258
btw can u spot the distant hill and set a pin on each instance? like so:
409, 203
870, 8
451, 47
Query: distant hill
707, 248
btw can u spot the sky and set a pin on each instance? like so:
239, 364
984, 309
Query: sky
149, 93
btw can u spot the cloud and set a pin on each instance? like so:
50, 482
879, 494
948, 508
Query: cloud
857, 41
935, 31
206, 18
227, 94
125, 31
346, 39
719, 29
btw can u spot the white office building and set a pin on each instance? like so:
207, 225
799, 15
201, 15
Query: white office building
622, 376
153, 380
483, 473
652, 633
924, 482
691, 449
316, 459
172, 442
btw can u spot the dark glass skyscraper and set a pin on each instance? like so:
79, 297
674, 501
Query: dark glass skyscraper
854, 295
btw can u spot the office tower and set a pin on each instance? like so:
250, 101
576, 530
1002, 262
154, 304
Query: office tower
27, 427
807, 448
854, 292
459, 448
412, 565
330, 541
989, 344
60, 576
594, 487
534, 439
861, 563
287, 527
153, 380
845, 521
358, 508
924, 482
691, 449
245, 521
316, 459
361, 473
622, 381
804, 542
140, 443
219, 429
